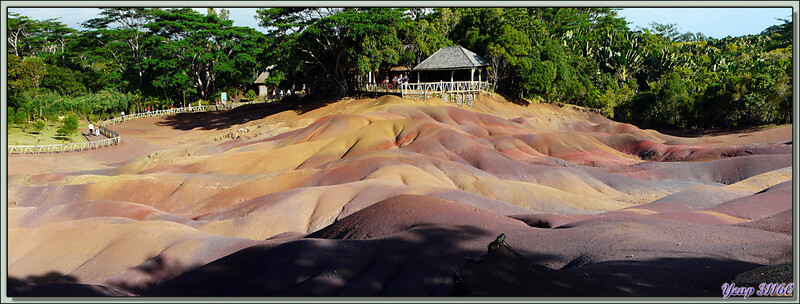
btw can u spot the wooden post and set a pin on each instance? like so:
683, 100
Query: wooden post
418, 79
472, 79
451, 75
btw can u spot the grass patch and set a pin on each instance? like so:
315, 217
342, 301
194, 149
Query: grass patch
47, 136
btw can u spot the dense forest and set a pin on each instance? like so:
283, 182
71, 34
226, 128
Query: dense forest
132, 58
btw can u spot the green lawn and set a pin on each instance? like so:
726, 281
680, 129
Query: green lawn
17, 137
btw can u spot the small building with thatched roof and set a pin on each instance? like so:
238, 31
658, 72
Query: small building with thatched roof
262, 88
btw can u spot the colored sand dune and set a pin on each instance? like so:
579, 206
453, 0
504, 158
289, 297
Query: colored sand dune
391, 197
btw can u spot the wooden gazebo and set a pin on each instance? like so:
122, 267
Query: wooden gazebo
449, 74
455, 61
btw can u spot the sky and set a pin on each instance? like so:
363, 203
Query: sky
712, 22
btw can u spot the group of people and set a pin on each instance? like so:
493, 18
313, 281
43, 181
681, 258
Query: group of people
279, 93
396, 80
93, 131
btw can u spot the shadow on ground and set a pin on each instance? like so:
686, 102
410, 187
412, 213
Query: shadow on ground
223, 119
54, 284
418, 262
505, 273
423, 261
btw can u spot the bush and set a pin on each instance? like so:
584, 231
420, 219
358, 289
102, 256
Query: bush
10, 115
69, 126
37, 126
250, 95
20, 117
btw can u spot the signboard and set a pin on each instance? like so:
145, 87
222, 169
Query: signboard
224, 96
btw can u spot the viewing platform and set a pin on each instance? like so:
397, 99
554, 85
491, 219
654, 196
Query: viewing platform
460, 92
455, 63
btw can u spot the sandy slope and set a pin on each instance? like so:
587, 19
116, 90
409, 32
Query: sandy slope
270, 198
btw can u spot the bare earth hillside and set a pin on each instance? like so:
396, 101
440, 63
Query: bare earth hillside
391, 197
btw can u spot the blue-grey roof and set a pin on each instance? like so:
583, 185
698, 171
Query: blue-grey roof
451, 58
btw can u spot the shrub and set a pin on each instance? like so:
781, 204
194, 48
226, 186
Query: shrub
37, 126
250, 95
20, 117
69, 126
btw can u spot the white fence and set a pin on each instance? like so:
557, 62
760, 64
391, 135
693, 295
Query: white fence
113, 138
457, 91
444, 87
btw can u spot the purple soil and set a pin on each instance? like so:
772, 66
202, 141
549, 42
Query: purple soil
778, 223
767, 202
411, 245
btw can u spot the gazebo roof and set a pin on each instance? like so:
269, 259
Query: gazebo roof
451, 58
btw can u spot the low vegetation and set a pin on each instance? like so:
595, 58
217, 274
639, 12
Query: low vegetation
31, 135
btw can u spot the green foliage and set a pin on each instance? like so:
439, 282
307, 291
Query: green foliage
232, 93
20, 117
69, 126
37, 126
133, 58
64, 81
250, 95
200, 51
275, 78
330, 47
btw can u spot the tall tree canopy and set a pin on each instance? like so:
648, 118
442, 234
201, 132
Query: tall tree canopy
334, 45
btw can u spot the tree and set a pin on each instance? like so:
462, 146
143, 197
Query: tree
20, 117
196, 50
19, 27
34, 70
621, 54
669, 32
335, 43
46, 38
127, 40
64, 81
780, 34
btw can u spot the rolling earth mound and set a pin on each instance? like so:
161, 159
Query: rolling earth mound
392, 197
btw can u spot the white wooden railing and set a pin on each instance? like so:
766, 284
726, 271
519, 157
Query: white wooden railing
425, 87
445, 87
113, 139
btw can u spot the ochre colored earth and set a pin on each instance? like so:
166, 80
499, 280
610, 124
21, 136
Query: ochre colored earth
392, 197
